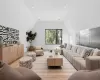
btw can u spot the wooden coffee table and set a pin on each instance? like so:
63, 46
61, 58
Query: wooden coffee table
55, 60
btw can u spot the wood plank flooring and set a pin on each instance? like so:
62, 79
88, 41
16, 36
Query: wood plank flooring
40, 67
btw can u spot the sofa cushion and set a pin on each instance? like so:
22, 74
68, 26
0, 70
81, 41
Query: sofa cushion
75, 55
82, 64
78, 58
96, 52
78, 62
86, 75
28, 74
69, 46
8, 73
74, 48
93, 62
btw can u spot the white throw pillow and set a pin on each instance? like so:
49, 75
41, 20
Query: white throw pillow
74, 49
84, 53
69, 46
96, 52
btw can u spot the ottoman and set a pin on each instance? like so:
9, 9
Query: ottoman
39, 52
33, 55
26, 62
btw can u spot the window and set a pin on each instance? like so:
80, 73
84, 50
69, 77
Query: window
53, 36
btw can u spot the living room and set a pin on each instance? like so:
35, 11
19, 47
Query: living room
66, 43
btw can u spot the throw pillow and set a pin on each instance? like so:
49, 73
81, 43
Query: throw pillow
84, 53
79, 50
62, 46
91, 53
28, 74
96, 52
65, 45
74, 49
88, 53
69, 46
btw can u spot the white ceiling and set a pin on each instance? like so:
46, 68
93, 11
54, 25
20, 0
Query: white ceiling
48, 9
77, 14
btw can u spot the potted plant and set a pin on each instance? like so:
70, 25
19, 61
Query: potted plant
30, 37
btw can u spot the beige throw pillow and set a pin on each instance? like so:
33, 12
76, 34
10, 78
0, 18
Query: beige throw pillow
84, 53
74, 49
69, 46
96, 52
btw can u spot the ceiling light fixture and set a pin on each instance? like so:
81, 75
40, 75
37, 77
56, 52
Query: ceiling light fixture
65, 6
32, 6
58, 18
38, 18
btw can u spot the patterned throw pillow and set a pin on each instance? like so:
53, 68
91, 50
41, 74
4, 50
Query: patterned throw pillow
87, 53
84, 53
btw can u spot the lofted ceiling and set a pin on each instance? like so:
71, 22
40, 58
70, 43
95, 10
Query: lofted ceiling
76, 14
48, 9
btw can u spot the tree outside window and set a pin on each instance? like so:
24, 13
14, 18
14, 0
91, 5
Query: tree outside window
53, 36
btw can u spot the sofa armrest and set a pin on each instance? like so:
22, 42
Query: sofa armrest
93, 62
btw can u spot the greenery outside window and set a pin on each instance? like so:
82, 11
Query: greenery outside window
53, 36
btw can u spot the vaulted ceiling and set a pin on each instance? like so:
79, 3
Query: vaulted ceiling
77, 14
48, 9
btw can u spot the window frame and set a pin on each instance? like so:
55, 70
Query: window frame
56, 36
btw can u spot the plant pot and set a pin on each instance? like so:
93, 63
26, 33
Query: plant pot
31, 48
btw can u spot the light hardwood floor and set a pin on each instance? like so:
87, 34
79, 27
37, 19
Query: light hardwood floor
40, 67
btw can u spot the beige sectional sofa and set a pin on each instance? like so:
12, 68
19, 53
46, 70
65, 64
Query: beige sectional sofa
82, 58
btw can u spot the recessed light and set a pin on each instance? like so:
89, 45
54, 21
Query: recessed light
65, 6
58, 18
38, 18
32, 6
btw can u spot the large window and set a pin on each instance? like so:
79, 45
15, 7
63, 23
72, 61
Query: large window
53, 36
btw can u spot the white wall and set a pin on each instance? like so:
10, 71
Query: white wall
13, 13
82, 14
40, 27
